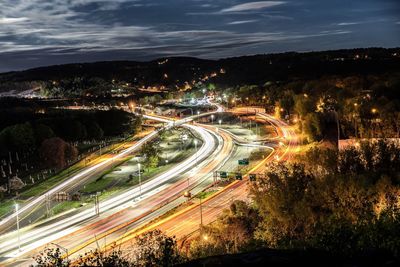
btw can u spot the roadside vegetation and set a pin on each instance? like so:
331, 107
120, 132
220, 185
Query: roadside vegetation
41, 149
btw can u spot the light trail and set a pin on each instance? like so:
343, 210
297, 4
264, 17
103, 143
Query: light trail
186, 221
39, 237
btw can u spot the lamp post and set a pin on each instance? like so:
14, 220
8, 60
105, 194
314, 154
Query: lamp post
212, 119
219, 121
373, 111
195, 145
201, 213
140, 182
17, 214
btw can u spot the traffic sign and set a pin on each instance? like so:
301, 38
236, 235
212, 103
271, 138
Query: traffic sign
223, 174
243, 161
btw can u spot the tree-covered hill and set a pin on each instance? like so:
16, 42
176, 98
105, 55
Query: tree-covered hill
169, 72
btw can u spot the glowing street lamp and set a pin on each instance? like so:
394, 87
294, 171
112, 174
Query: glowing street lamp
374, 110
219, 121
195, 145
212, 118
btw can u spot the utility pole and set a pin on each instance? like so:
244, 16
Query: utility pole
140, 182
201, 213
19, 238
97, 204
47, 205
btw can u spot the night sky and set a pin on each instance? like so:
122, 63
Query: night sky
45, 32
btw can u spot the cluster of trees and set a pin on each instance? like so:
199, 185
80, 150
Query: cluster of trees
55, 152
44, 133
151, 151
342, 202
364, 105
150, 249
68, 125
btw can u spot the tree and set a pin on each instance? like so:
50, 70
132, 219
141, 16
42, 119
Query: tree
94, 131
114, 122
18, 137
303, 105
53, 257
43, 132
331, 204
155, 249
55, 152
231, 233
286, 101
313, 126
151, 151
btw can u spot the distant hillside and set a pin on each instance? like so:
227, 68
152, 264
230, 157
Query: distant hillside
238, 70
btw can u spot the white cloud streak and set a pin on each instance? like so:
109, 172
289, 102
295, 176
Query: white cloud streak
238, 22
252, 6
12, 20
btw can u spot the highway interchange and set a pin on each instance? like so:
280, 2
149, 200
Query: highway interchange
132, 212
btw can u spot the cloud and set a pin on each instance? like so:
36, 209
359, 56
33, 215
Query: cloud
12, 20
252, 6
238, 22
348, 23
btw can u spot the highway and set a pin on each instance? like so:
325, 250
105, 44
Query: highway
155, 192
122, 215
99, 167
186, 222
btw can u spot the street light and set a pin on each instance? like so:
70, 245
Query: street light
140, 182
19, 238
195, 144
374, 110
201, 213
219, 121
212, 119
